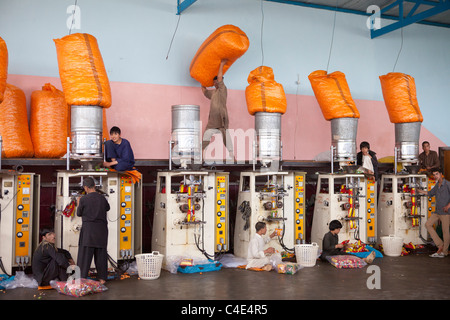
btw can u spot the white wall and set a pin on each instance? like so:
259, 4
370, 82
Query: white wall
134, 38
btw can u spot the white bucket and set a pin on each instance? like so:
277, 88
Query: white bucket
392, 245
306, 254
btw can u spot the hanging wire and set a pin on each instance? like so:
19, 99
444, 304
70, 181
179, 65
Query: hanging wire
73, 16
262, 27
171, 41
399, 51
332, 35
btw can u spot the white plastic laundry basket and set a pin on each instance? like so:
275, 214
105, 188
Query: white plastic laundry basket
149, 265
392, 245
306, 254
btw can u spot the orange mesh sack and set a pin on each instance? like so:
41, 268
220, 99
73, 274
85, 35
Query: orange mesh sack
3, 67
399, 93
333, 95
105, 133
82, 72
264, 94
48, 122
14, 124
227, 42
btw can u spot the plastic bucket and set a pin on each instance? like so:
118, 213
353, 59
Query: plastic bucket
306, 254
392, 245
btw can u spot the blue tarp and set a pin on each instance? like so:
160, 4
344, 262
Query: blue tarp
213, 266
378, 254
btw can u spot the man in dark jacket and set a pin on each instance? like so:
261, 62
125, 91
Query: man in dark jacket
93, 242
50, 263
367, 159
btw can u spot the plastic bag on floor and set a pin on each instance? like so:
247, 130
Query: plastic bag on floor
346, 262
78, 288
20, 280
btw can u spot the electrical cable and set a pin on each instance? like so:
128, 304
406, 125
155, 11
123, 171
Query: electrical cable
399, 51
332, 35
262, 28
73, 16
173, 36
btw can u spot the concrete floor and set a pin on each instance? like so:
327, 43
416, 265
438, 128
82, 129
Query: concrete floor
412, 277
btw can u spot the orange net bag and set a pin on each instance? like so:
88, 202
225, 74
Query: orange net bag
399, 93
82, 72
333, 95
227, 42
48, 122
264, 94
14, 124
3, 67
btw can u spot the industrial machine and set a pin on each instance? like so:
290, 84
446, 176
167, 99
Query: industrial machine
269, 194
403, 212
19, 219
191, 218
124, 196
348, 195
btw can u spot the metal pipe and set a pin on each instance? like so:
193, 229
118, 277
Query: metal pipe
68, 154
1, 145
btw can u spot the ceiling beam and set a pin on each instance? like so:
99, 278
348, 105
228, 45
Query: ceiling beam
438, 7
183, 5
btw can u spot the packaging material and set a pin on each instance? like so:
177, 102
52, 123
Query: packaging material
333, 95
227, 42
14, 125
173, 262
400, 98
264, 94
82, 71
346, 261
78, 288
3, 67
288, 268
19, 280
48, 122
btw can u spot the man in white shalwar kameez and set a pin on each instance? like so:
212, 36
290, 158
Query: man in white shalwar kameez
258, 257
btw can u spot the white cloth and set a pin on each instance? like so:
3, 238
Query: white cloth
256, 256
367, 163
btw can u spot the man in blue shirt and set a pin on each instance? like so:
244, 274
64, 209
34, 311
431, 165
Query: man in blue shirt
118, 152
442, 192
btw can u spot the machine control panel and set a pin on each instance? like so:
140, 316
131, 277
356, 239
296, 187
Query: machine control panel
299, 207
126, 216
23, 219
431, 204
221, 213
371, 206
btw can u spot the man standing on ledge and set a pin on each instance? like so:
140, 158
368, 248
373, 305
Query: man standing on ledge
118, 152
218, 114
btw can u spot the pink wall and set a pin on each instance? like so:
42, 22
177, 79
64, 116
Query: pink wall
143, 112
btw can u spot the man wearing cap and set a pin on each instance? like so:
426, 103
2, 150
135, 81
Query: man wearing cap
218, 114
50, 263
92, 208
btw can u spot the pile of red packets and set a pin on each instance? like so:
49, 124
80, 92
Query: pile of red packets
358, 246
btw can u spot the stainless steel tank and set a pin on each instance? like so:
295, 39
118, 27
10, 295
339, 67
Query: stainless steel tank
268, 136
186, 133
343, 138
407, 141
86, 131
